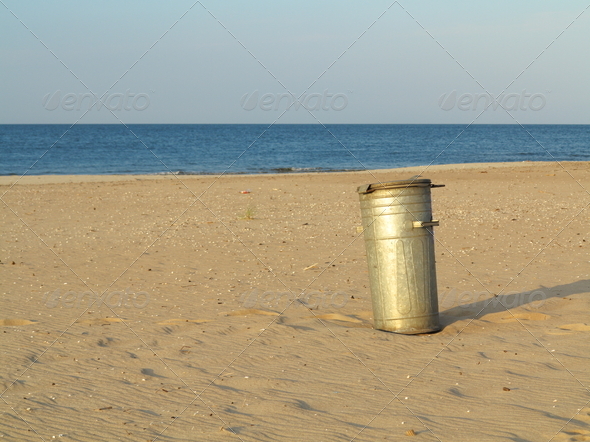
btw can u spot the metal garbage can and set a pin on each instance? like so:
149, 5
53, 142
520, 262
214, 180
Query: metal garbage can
397, 223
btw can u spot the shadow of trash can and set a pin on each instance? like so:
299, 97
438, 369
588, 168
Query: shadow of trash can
398, 228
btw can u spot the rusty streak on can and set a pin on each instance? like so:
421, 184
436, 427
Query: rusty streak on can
397, 223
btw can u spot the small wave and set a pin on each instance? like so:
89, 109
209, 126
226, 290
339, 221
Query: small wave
305, 169
180, 172
293, 169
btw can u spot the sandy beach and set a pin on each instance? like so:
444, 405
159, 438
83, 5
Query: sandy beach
195, 332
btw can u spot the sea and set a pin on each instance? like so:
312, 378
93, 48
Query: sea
288, 148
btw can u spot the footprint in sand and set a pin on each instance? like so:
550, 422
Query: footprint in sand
348, 321
574, 432
15, 322
14, 385
575, 327
503, 317
573, 436
250, 311
367, 314
526, 316
337, 317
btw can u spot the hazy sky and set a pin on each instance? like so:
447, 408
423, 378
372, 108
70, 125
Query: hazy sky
237, 62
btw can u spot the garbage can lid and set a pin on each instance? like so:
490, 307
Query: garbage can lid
422, 182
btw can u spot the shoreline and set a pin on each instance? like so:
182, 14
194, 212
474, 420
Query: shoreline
8, 180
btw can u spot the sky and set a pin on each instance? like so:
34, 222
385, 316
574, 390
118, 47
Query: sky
350, 62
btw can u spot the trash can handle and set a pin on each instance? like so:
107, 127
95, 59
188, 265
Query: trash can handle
364, 189
432, 223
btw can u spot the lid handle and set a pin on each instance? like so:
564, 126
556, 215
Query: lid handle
364, 189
